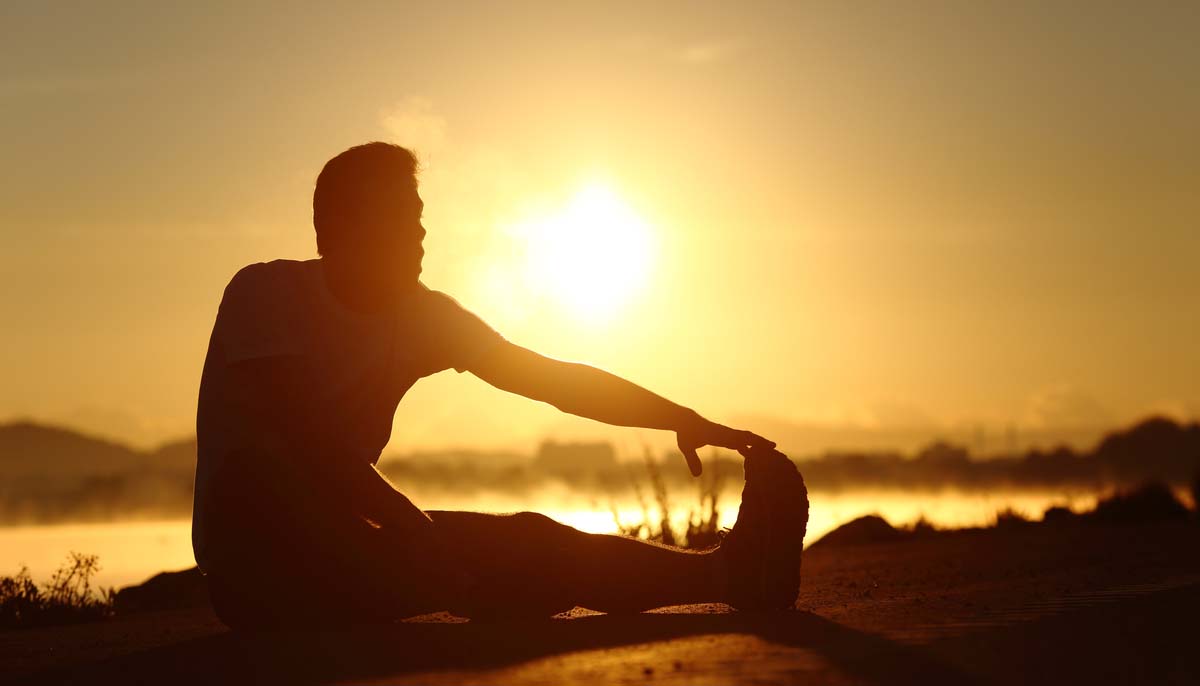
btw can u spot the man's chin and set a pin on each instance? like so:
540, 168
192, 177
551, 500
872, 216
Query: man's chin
410, 279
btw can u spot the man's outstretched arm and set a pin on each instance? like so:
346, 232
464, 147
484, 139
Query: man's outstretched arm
583, 390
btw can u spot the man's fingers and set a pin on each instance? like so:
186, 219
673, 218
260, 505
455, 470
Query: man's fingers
693, 460
735, 439
748, 438
720, 436
756, 440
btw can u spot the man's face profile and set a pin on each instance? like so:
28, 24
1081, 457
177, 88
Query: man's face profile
391, 232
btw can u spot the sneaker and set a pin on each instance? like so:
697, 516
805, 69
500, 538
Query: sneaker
763, 549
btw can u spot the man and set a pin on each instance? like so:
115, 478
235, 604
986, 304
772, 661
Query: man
306, 365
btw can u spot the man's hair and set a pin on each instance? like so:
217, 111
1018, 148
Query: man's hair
350, 181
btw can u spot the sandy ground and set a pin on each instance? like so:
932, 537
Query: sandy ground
1069, 603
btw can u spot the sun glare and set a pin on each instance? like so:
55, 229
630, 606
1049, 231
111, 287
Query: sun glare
591, 256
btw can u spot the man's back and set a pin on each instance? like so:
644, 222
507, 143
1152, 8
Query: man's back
348, 370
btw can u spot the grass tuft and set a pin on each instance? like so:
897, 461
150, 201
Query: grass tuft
67, 598
702, 523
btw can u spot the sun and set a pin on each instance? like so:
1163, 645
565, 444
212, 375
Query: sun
591, 256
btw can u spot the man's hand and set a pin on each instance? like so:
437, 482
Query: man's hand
702, 432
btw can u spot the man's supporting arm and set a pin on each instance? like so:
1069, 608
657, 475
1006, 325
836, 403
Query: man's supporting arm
274, 392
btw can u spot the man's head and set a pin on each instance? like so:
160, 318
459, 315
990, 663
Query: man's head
366, 211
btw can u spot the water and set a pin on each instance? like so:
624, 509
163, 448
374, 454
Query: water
131, 552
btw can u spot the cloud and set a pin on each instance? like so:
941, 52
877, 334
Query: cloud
415, 124
707, 52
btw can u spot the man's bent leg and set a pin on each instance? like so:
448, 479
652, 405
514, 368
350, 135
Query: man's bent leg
280, 557
526, 564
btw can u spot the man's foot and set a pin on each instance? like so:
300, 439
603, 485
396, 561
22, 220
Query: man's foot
762, 551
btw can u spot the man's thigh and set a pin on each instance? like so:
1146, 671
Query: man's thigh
516, 532
514, 564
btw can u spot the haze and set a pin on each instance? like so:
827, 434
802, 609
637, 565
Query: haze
847, 214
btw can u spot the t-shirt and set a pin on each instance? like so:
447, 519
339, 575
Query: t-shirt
361, 364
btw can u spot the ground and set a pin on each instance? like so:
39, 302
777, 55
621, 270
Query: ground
1067, 603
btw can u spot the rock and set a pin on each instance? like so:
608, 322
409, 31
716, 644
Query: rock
868, 529
165, 591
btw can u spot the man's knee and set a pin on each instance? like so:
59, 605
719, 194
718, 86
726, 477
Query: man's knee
538, 524
488, 533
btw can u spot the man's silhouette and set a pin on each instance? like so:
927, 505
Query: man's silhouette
306, 365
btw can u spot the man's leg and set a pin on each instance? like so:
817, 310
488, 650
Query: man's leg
529, 564
329, 567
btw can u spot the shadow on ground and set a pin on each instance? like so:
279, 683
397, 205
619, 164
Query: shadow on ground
391, 652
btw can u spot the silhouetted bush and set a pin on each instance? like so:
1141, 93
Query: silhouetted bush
1009, 518
67, 598
1058, 514
703, 523
922, 527
1148, 503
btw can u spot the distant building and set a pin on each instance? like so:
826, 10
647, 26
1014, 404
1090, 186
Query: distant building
555, 457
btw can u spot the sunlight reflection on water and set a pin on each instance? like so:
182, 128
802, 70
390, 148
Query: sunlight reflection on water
130, 552
947, 508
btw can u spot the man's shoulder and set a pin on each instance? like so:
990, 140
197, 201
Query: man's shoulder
438, 303
274, 277
276, 285
448, 316
274, 270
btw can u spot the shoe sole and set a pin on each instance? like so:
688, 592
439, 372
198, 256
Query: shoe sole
776, 581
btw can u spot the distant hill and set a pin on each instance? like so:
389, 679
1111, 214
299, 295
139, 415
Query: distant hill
34, 450
52, 474
1155, 449
28, 449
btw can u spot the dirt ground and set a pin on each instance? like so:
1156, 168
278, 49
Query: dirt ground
1064, 603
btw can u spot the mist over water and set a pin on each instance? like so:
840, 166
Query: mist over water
132, 551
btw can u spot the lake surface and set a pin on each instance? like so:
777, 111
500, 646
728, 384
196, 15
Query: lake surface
131, 552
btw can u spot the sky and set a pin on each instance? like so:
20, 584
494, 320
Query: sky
881, 216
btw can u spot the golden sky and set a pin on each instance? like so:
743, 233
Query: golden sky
856, 214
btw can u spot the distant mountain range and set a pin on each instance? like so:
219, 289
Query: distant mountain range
54, 474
